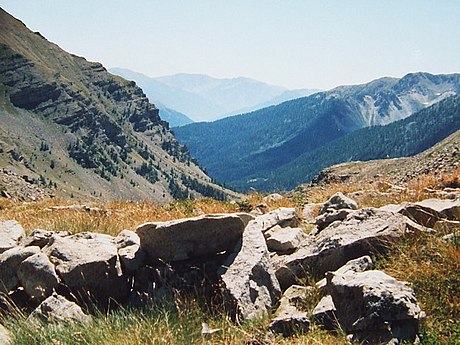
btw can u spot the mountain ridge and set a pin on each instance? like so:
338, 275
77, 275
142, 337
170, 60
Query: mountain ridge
73, 127
237, 147
403, 138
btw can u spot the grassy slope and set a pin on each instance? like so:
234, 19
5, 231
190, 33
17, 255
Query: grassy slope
428, 263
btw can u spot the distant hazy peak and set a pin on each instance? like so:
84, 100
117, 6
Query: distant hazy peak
206, 98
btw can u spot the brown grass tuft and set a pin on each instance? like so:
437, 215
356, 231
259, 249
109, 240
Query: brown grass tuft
432, 266
115, 216
381, 192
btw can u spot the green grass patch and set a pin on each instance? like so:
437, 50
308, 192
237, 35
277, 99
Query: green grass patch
176, 321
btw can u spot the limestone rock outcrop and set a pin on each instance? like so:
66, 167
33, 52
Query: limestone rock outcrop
284, 239
283, 217
329, 217
58, 309
374, 308
132, 257
41, 238
248, 277
289, 319
361, 264
241, 261
38, 276
190, 238
10, 261
337, 202
88, 264
428, 212
363, 232
10, 234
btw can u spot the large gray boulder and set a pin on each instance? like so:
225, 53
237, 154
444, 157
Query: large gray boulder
129, 250
428, 212
10, 234
5, 337
423, 216
10, 261
283, 216
324, 312
88, 264
289, 318
58, 309
337, 202
329, 217
190, 238
40, 237
247, 275
449, 208
361, 264
284, 239
363, 232
374, 307
38, 277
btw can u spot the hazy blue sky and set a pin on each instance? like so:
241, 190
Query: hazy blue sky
293, 43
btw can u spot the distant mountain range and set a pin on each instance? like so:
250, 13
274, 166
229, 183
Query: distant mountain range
403, 138
72, 127
204, 98
272, 148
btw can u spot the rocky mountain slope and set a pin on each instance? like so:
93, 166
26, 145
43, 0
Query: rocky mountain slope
204, 98
247, 148
73, 127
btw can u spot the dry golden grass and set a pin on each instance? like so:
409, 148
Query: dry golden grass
113, 218
437, 181
382, 192
116, 216
428, 263
432, 266
255, 199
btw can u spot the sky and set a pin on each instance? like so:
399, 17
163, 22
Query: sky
292, 43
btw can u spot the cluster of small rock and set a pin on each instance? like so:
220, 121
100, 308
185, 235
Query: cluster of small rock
21, 188
244, 260
445, 158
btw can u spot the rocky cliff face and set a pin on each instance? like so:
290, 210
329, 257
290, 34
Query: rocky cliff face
79, 129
